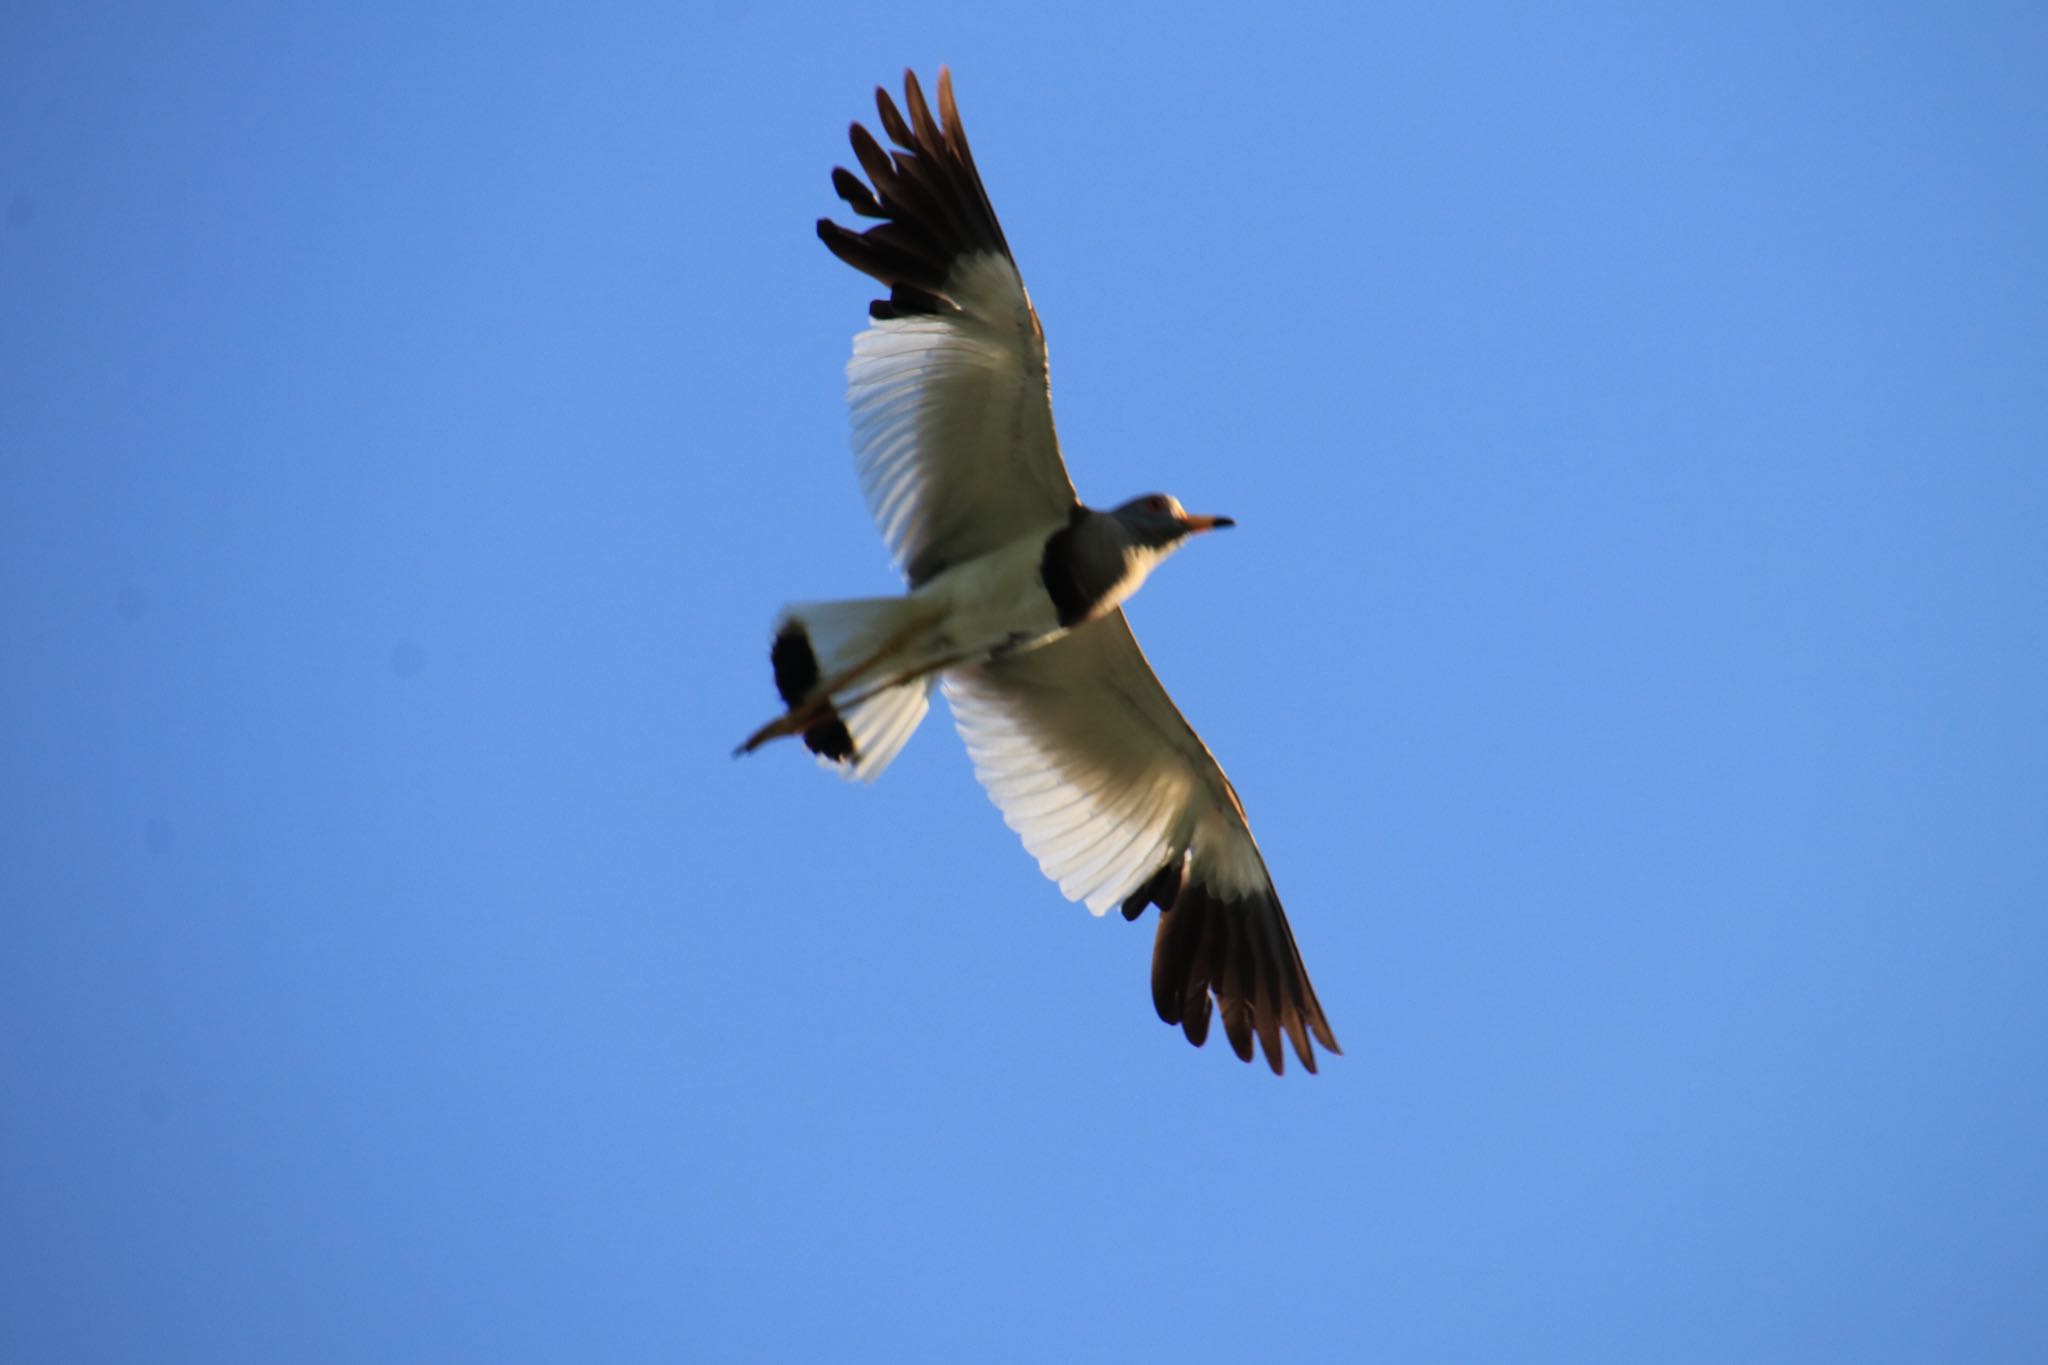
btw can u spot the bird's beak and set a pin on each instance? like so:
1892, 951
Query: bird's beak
1195, 524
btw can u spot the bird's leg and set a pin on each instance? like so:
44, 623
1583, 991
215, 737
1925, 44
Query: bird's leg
784, 724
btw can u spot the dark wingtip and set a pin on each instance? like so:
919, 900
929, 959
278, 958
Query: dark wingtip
857, 195
1237, 1027
1194, 1025
1236, 956
929, 196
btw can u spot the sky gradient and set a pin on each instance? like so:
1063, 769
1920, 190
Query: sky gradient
1630, 653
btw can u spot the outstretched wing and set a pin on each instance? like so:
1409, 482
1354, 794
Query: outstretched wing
1120, 801
952, 412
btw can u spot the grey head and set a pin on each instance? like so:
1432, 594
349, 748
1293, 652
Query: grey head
1100, 558
1157, 521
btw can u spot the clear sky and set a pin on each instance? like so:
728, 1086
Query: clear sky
1631, 653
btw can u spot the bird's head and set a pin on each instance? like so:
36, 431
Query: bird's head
1101, 558
1157, 521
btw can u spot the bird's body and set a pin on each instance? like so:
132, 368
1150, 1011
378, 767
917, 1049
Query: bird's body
995, 602
1023, 594
1015, 593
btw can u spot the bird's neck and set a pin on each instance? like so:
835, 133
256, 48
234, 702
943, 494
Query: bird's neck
1092, 565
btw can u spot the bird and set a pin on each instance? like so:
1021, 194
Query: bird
1014, 603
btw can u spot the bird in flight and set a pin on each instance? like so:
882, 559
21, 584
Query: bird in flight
1015, 604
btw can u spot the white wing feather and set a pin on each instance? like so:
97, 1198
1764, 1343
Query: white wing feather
952, 423
1093, 766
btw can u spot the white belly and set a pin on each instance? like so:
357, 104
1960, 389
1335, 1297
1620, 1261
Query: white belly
995, 603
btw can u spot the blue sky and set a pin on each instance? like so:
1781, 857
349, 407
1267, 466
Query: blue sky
1631, 655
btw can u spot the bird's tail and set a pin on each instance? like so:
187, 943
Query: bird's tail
848, 672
